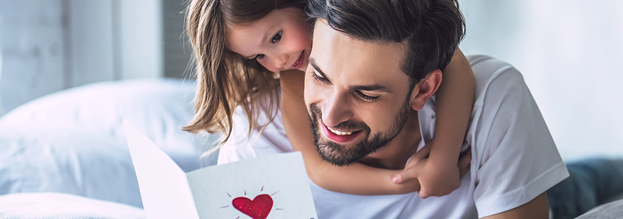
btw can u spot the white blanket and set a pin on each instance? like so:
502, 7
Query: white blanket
57, 205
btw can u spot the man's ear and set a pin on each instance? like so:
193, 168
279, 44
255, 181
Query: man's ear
425, 89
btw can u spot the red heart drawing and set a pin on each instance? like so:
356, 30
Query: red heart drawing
256, 209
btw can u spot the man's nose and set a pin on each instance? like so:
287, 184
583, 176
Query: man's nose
337, 110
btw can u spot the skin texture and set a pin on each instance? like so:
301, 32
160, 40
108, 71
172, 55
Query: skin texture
342, 89
370, 68
294, 113
439, 176
279, 41
356, 178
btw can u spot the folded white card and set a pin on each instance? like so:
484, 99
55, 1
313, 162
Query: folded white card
267, 187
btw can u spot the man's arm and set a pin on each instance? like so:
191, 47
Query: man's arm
536, 208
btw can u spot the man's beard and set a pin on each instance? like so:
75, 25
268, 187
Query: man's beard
339, 155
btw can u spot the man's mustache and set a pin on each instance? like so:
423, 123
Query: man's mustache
315, 113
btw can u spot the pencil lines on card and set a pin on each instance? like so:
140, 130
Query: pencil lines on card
274, 193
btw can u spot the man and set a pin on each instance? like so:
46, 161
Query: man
374, 67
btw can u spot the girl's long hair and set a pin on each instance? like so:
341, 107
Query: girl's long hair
226, 80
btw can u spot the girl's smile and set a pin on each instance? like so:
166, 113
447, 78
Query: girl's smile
279, 41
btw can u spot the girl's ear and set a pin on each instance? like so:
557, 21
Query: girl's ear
425, 89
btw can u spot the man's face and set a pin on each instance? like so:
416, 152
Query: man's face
356, 94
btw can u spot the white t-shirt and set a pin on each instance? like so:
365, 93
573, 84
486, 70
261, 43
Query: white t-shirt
514, 158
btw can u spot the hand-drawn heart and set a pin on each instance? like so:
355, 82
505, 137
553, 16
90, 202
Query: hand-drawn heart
256, 209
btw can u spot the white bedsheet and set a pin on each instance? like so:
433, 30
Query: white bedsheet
57, 205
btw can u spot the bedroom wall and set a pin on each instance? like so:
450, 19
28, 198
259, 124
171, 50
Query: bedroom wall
31, 43
50, 45
569, 53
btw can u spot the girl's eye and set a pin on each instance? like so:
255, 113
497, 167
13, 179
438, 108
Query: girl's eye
277, 37
366, 97
259, 56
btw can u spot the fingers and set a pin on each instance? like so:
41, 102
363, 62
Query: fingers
465, 162
420, 155
465, 159
410, 172
423, 193
405, 175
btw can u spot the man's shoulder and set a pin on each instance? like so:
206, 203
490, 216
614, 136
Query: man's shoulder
495, 79
507, 133
488, 70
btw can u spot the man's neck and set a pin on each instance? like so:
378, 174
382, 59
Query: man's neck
400, 149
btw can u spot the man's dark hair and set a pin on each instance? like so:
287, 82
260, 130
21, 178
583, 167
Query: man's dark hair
430, 29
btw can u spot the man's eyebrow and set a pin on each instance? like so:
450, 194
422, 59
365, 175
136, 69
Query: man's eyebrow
312, 62
373, 87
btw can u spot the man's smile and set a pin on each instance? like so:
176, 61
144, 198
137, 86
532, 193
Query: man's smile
340, 136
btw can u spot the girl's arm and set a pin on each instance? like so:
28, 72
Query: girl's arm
439, 174
353, 179
454, 102
457, 90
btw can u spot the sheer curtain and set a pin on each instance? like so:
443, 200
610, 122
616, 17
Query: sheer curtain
569, 53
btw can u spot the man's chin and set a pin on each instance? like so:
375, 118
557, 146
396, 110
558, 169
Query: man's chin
337, 154
336, 161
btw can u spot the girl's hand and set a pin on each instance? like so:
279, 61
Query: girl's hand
437, 178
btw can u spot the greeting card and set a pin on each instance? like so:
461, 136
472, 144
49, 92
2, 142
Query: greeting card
269, 187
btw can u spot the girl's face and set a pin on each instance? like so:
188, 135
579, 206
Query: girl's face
279, 41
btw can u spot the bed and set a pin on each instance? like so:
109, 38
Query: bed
65, 155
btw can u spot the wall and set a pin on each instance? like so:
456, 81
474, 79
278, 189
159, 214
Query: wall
33, 52
176, 47
90, 42
50, 45
569, 53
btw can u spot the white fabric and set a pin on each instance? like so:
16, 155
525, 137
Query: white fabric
73, 141
63, 206
158, 108
272, 140
514, 158
61, 159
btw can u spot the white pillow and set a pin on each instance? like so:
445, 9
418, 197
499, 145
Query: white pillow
73, 141
157, 107
66, 160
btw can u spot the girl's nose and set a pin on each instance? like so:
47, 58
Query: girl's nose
280, 61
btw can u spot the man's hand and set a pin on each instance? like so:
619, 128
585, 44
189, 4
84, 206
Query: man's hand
437, 178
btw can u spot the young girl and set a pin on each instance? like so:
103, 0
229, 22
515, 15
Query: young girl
241, 48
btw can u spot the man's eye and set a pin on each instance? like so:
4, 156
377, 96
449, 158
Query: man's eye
277, 37
318, 77
366, 97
